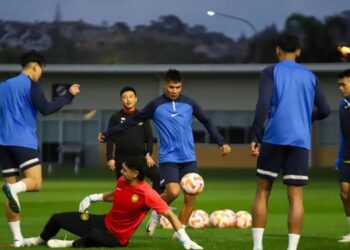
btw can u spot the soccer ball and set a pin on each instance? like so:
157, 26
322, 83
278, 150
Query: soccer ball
243, 219
198, 219
192, 183
165, 223
231, 217
219, 219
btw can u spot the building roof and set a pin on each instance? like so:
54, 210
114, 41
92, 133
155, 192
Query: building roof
159, 68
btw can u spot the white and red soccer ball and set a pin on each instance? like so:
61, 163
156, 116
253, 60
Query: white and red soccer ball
198, 219
243, 219
219, 219
192, 183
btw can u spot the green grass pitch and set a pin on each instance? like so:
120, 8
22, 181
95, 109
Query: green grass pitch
224, 188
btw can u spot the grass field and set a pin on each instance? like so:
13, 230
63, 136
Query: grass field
233, 188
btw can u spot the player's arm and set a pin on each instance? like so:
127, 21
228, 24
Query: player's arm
44, 106
149, 143
266, 84
86, 202
180, 231
114, 120
211, 128
131, 121
323, 109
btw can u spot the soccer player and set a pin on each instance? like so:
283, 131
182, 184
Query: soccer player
343, 160
172, 114
132, 198
20, 99
281, 134
135, 141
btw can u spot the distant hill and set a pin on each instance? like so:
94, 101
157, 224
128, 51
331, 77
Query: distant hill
167, 40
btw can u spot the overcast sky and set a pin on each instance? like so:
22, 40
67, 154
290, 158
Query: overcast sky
259, 12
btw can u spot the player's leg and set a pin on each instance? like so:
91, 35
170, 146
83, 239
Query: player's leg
97, 237
153, 174
295, 175
119, 160
10, 171
169, 175
189, 200
13, 219
268, 166
344, 186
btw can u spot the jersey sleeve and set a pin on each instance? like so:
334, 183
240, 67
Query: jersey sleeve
155, 202
322, 108
113, 121
207, 123
43, 105
266, 84
133, 120
149, 137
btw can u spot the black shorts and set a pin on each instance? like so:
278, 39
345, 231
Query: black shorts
344, 172
293, 161
171, 172
14, 160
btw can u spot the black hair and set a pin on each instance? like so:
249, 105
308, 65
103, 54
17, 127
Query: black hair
288, 42
172, 75
137, 163
127, 89
343, 74
32, 56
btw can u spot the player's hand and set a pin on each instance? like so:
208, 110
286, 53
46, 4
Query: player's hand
226, 149
84, 205
74, 89
101, 137
86, 202
111, 164
150, 161
189, 244
255, 149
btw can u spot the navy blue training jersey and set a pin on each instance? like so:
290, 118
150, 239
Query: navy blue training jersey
173, 121
288, 93
344, 118
20, 99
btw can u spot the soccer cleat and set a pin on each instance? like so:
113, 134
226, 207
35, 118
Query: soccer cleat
60, 243
17, 243
12, 198
152, 223
33, 241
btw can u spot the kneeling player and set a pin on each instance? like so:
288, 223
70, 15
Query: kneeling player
132, 199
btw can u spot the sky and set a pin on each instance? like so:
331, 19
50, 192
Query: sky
260, 13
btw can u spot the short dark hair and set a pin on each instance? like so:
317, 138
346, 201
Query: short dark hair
137, 163
127, 89
32, 56
288, 42
172, 75
343, 74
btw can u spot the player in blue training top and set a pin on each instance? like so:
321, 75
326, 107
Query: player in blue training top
172, 114
20, 99
281, 134
343, 160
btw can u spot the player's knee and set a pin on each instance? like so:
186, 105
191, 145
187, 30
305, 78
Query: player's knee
173, 193
344, 195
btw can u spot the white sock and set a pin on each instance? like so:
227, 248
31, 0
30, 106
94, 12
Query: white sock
258, 234
16, 230
293, 240
18, 187
155, 215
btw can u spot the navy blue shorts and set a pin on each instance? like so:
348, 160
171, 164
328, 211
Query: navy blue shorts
14, 160
344, 172
293, 161
171, 172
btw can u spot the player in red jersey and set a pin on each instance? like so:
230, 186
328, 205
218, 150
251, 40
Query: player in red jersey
131, 199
